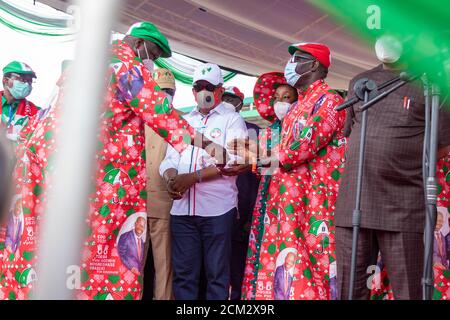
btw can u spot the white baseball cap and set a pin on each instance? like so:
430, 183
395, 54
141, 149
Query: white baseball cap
209, 72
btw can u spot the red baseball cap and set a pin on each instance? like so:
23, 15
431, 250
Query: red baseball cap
263, 94
318, 50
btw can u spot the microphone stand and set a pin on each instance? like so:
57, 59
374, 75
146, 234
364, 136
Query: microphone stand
431, 193
365, 90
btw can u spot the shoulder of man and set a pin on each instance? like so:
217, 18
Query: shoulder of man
364, 74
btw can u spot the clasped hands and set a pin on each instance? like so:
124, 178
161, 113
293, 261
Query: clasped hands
177, 185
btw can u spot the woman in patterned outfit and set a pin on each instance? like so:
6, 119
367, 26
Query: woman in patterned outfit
269, 89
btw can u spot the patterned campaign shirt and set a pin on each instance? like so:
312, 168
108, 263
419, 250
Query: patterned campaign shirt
300, 210
15, 116
117, 204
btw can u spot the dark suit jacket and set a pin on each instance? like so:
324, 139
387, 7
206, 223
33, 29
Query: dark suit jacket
128, 251
11, 239
280, 292
439, 250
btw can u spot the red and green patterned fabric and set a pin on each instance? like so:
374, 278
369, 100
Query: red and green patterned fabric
299, 213
15, 116
381, 288
268, 140
111, 264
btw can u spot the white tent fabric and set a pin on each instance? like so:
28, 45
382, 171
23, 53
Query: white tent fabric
249, 36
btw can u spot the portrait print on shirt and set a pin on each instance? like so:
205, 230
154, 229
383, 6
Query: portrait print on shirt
14, 228
441, 231
131, 242
284, 274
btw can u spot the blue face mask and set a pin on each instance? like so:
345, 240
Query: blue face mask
20, 89
291, 75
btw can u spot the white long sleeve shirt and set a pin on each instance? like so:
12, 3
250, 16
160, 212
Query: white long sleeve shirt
214, 197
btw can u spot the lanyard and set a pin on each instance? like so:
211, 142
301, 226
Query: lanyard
10, 116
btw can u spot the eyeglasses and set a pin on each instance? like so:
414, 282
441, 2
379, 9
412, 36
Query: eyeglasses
23, 78
202, 86
297, 58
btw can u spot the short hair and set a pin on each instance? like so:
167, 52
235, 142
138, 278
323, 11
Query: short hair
285, 85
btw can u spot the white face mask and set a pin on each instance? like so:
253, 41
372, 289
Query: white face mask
281, 109
388, 49
205, 99
149, 65
229, 106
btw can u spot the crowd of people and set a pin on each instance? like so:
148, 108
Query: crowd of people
223, 208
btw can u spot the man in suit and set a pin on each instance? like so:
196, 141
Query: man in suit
14, 228
131, 246
159, 204
447, 242
439, 250
283, 278
392, 201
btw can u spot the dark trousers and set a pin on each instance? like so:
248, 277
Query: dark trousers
149, 275
402, 254
201, 239
239, 248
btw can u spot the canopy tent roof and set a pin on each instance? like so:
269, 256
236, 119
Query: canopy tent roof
248, 36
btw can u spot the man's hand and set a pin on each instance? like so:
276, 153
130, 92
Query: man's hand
235, 169
244, 148
175, 195
169, 176
213, 149
219, 153
183, 182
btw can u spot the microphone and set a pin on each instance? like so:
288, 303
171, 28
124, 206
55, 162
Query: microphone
360, 86
347, 104
405, 76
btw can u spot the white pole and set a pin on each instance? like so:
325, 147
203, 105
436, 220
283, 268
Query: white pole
62, 230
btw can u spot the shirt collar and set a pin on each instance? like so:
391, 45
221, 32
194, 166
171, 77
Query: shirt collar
220, 109
312, 87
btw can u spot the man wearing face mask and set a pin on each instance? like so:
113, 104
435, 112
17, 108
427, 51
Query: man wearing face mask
16, 109
134, 100
311, 155
158, 202
392, 198
205, 203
